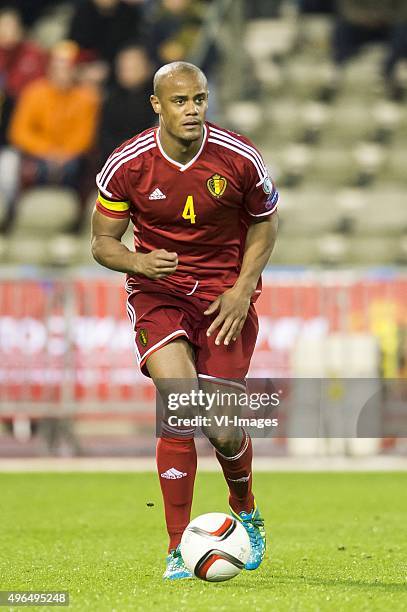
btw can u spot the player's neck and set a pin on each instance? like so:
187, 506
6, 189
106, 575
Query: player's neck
181, 151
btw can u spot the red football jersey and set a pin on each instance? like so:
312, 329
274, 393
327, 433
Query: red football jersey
200, 210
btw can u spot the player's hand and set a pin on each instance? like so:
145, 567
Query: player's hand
156, 264
233, 307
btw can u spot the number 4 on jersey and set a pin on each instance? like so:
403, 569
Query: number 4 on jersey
189, 212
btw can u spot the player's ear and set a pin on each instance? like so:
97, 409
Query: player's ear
155, 103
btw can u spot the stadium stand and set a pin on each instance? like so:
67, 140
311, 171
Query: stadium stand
313, 145
333, 140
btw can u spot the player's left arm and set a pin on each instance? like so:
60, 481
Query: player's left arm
233, 304
260, 200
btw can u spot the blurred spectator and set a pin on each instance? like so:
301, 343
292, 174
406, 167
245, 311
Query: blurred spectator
397, 53
52, 129
126, 110
102, 27
175, 25
263, 9
317, 6
360, 22
366, 21
31, 10
21, 61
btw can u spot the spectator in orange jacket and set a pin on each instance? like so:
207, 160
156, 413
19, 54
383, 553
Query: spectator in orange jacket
53, 128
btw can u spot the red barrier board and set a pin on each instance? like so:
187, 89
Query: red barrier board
70, 341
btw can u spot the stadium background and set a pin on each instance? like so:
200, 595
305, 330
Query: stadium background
333, 135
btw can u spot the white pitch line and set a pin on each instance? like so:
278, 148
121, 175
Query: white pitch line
206, 464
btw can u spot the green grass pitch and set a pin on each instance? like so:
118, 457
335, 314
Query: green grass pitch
336, 542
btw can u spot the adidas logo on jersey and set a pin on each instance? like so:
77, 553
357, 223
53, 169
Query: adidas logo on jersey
157, 194
173, 474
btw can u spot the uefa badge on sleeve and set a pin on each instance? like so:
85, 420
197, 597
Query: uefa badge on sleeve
268, 186
271, 193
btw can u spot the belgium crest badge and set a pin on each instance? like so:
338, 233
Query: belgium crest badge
217, 185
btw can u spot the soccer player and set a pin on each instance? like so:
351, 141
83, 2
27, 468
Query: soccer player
202, 205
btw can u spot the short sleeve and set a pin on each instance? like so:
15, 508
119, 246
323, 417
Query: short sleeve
112, 200
261, 196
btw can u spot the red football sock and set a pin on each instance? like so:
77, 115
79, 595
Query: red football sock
176, 464
238, 475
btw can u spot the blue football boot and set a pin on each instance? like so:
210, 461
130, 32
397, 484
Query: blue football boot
176, 568
254, 525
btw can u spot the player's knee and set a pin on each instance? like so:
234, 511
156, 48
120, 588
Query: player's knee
226, 442
176, 431
172, 409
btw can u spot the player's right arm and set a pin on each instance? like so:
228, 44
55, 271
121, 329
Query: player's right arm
110, 252
110, 220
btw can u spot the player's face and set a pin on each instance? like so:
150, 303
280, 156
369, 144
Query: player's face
182, 105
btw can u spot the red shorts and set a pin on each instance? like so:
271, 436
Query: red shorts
158, 318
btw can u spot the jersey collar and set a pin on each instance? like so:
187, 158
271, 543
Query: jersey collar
182, 167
